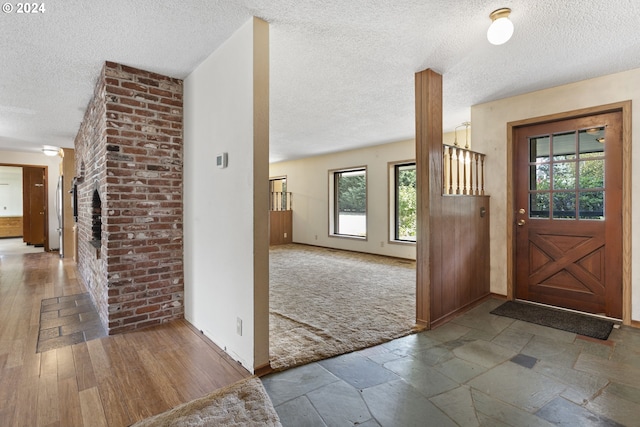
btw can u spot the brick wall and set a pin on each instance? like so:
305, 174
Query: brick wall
129, 149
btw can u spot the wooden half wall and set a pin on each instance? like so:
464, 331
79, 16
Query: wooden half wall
280, 227
452, 257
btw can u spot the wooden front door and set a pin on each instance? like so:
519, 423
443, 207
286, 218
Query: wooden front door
568, 213
34, 205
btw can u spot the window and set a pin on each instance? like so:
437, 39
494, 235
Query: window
348, 202
567, 175
403, 206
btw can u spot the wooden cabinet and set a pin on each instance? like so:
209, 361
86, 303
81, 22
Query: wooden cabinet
11, 226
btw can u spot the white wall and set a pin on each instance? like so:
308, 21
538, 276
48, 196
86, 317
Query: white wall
53, 164
225, 210
489, 132
10, 191
308, 178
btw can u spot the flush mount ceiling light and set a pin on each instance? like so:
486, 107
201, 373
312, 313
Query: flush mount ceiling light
50, 151
501, 29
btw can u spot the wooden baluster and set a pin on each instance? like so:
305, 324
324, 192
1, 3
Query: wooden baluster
458, 170
450, 171
468, 160
444, 170
476, 190
482, 165
474, 165
464, 172
472, 188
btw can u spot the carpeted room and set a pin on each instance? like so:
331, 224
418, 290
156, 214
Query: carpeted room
325, 302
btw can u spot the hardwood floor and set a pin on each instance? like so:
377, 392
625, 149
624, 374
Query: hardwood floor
112, 381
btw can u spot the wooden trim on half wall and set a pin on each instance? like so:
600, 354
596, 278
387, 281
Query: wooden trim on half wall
625, 108
428, 139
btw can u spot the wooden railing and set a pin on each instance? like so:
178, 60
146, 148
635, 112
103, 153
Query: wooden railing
280, 200
463, 172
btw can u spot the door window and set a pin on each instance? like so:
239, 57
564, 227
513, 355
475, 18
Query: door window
566, 175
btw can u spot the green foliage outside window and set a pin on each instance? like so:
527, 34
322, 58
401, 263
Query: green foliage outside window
406, 202
352, 191
590, 174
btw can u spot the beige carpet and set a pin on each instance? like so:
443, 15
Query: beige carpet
244, 403
325, 302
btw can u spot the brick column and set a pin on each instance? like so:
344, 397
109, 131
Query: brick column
129, 148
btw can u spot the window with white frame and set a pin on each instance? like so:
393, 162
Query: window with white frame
348, 202
402, 213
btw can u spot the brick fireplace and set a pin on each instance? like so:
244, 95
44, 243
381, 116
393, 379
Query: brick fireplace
129, 168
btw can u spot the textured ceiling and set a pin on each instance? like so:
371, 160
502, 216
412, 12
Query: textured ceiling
342, 73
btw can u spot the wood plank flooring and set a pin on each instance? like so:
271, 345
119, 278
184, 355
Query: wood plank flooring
113, 381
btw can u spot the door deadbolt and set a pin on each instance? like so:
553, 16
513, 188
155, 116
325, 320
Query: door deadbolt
521, 211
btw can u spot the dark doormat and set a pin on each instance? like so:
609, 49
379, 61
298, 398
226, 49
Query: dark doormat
559, 319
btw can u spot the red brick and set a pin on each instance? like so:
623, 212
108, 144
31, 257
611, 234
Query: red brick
135, 86
113, 90
133, 102
119, 108
147, 309
145, 113
173, 102
160, 92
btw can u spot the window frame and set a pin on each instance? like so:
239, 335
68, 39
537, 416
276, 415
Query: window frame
393, 168
333, 203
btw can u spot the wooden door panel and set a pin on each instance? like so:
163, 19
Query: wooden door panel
26, 209
34, 205
580, 268
568, 250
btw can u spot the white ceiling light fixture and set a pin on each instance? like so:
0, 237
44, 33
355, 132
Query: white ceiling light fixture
501, 29
51, 151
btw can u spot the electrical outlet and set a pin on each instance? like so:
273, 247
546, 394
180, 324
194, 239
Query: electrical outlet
285, 235
382, 244
316, 237
239, 326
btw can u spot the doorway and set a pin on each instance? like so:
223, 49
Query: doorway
568, 213
34, 200
26, 203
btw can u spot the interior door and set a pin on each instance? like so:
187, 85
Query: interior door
568, 213
34, 206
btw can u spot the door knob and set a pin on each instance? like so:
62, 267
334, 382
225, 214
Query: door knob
521, 222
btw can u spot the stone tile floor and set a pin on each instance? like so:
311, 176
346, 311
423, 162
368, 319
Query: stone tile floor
477, 370
68, 320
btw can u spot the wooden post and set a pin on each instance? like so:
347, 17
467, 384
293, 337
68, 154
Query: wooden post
429, 172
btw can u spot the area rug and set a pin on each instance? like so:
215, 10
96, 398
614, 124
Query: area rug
558, 319
244, 403
326, 302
